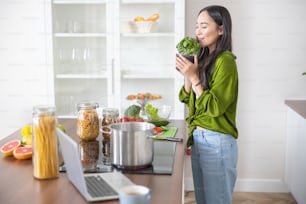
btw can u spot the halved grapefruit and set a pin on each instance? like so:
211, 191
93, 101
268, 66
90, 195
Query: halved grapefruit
8, 148
23, 152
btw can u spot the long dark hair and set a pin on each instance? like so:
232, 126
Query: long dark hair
206, 60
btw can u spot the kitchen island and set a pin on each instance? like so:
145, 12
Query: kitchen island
295, 172
17, 184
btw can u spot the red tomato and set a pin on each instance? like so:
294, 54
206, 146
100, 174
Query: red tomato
157, 130
188, 151
132, 119
139, 120
124, 119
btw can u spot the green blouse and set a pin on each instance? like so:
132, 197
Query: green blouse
215, 109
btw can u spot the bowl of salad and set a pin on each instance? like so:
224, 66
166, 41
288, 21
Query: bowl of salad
159, 116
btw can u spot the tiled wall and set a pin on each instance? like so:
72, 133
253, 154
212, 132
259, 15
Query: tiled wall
24, 65
270, 44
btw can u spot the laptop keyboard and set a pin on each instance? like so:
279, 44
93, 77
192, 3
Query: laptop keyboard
97, 187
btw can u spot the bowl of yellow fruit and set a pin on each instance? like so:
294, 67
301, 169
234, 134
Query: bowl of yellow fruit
145, 25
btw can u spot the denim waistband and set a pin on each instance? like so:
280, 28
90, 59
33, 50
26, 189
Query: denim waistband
206, 132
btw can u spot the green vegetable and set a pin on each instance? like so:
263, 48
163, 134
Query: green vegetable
132, 111
152, 112
159, 123
154, 117
188, 46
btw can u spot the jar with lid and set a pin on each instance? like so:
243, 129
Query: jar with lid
87, 120
109, 116
45, 155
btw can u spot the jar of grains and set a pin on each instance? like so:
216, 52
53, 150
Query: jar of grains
109, 116
89, 153
45, 155
88, 120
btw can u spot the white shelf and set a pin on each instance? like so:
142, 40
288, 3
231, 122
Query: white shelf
147, 34
81, 76
79, 35
79, 2
151, 75
147, 1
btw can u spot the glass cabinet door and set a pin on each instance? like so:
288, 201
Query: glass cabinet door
82, 60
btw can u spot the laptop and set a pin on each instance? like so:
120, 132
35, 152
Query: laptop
93, 186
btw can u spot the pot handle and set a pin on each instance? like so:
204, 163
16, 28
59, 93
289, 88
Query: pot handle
153, 136
171, 139
105, 131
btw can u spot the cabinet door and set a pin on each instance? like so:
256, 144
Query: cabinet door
82, 44
146, 54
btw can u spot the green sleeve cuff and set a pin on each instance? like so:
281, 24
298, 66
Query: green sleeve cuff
183, 95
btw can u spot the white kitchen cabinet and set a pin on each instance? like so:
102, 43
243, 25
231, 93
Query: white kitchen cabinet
98, 57
82, 43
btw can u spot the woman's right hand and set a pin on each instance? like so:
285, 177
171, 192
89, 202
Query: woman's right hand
187, 68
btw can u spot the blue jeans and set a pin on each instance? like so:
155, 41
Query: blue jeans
214, 160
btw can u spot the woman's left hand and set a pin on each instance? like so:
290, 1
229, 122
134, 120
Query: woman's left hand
186, 68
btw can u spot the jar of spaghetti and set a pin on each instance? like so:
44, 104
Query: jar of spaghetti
45, 155
88, 120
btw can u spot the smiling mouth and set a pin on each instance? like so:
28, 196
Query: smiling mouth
201, 40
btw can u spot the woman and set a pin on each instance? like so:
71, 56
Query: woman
210, 91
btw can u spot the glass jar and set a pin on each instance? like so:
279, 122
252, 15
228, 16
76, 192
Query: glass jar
109, 116
87, 121
89, 154
45, 155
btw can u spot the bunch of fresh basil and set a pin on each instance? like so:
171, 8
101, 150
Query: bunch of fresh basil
188, 46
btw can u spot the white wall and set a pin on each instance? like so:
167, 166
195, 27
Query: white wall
269, 41
24, 66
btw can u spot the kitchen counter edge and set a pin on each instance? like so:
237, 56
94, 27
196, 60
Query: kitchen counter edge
298, 105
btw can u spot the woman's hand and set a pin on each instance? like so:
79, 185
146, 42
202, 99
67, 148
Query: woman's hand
188, 69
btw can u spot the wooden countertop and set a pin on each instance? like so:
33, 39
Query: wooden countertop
298, 106
17, 184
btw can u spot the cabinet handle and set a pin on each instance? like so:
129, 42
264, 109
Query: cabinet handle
113, 75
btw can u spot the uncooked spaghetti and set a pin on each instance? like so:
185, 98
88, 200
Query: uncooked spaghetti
45, 157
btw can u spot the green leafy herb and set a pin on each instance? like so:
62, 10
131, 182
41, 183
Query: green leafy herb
188, 46
152, 112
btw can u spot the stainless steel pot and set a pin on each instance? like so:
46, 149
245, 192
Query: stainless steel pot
132, 144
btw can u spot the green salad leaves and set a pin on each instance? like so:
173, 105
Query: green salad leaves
152, 112
188, 46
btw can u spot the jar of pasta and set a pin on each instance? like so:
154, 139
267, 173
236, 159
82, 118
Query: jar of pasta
88, 121
45, 155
